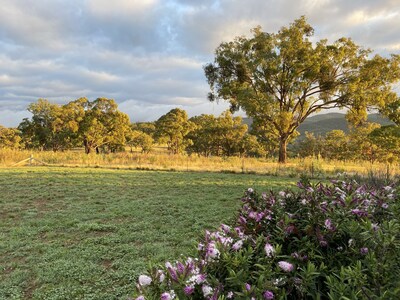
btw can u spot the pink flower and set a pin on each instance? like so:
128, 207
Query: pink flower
252, 215
198, 279
236, 246
269, 250
212, 251
166, 296
188, 290
268, 295
242, 220
144, 280
207, 290
329, 225
171, 271
161, 275
286, 266
259, 217
180, 267
225, 228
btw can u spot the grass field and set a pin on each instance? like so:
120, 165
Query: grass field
159, 159
86, 233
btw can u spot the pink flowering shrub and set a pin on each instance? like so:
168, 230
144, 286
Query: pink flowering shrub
323, 241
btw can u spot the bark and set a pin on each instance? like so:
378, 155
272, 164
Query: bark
87, 146
282, 150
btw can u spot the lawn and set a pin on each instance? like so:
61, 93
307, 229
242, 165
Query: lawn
87, 233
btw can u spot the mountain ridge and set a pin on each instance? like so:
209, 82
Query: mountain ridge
320, 124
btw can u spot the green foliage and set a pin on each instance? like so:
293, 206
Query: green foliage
336, 145
309, 146
9, 138
145, 127
387, 138
279, 79
360, 146
203, 136
140, 139
392, 111
368, 141
45, 129
174, 127
225, 135
337, 241
81, 122
103, 125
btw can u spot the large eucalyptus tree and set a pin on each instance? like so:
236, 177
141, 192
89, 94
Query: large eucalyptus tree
279, 79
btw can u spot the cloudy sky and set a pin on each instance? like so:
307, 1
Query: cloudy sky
148, 54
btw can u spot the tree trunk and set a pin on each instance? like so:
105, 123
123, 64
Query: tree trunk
87, 146
282, 150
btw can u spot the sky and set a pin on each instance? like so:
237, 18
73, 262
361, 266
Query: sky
149, 55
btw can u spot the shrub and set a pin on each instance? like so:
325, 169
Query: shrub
336, 241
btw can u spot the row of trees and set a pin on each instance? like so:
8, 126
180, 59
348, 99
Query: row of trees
368, 142
99, 126
79, 123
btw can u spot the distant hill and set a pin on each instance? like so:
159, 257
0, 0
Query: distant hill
322, 123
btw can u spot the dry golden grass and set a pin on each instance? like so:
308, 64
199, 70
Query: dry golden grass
160, 160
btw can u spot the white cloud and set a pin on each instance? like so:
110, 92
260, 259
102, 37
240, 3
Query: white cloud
107, 8
8, 117
153, 51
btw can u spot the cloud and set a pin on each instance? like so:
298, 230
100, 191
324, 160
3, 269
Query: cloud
149, 112
148, 54
8, 117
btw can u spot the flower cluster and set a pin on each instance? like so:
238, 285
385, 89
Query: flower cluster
288, 244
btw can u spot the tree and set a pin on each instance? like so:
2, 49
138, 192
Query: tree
360, 145
102, 125
309, 146
145, 127
335, 145
217, 136
203, 136
9, 138
249, 146
140, 139
52, 127
279, 79
43, 131
392, 111
387, 138
174, 127
229, 132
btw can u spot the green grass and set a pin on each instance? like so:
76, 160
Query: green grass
82, 233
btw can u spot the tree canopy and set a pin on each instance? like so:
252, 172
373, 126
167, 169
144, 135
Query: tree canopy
173, 127
80, 122
279, 79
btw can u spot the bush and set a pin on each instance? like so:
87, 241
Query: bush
337, 241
